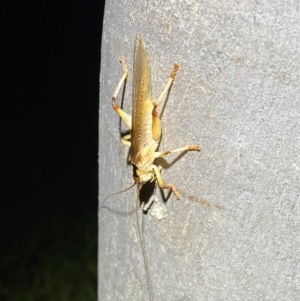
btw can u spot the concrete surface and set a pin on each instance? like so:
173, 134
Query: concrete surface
235, 234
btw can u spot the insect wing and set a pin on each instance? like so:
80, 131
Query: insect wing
141, 101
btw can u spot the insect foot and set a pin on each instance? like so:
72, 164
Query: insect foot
194, 147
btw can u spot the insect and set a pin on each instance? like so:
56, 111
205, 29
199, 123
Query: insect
145, 123
145, 129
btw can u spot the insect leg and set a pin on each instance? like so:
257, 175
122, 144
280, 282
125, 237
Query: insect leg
161, 183
168, 85
125, 116
147, 205
126, 140
156, 126
194, 147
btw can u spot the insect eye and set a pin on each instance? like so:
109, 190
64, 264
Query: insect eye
136, 179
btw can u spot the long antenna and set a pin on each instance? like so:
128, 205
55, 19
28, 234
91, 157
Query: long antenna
102, 205
142, 244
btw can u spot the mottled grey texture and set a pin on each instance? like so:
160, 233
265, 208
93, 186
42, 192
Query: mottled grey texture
237, 94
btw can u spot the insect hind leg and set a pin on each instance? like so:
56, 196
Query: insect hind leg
168, 84
125, 116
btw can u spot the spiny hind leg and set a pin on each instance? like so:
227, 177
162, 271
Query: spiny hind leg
163, 185
125, 116
156, 126
168, 85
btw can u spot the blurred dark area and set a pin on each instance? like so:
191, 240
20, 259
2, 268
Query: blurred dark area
49, 95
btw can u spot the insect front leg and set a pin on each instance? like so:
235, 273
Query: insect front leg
125, 116
163, 185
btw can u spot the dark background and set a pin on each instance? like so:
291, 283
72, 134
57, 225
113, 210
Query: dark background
49, 142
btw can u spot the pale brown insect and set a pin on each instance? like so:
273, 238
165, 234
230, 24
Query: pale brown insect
145, 124
145, 129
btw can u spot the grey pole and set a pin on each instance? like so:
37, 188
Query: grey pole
234, 234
